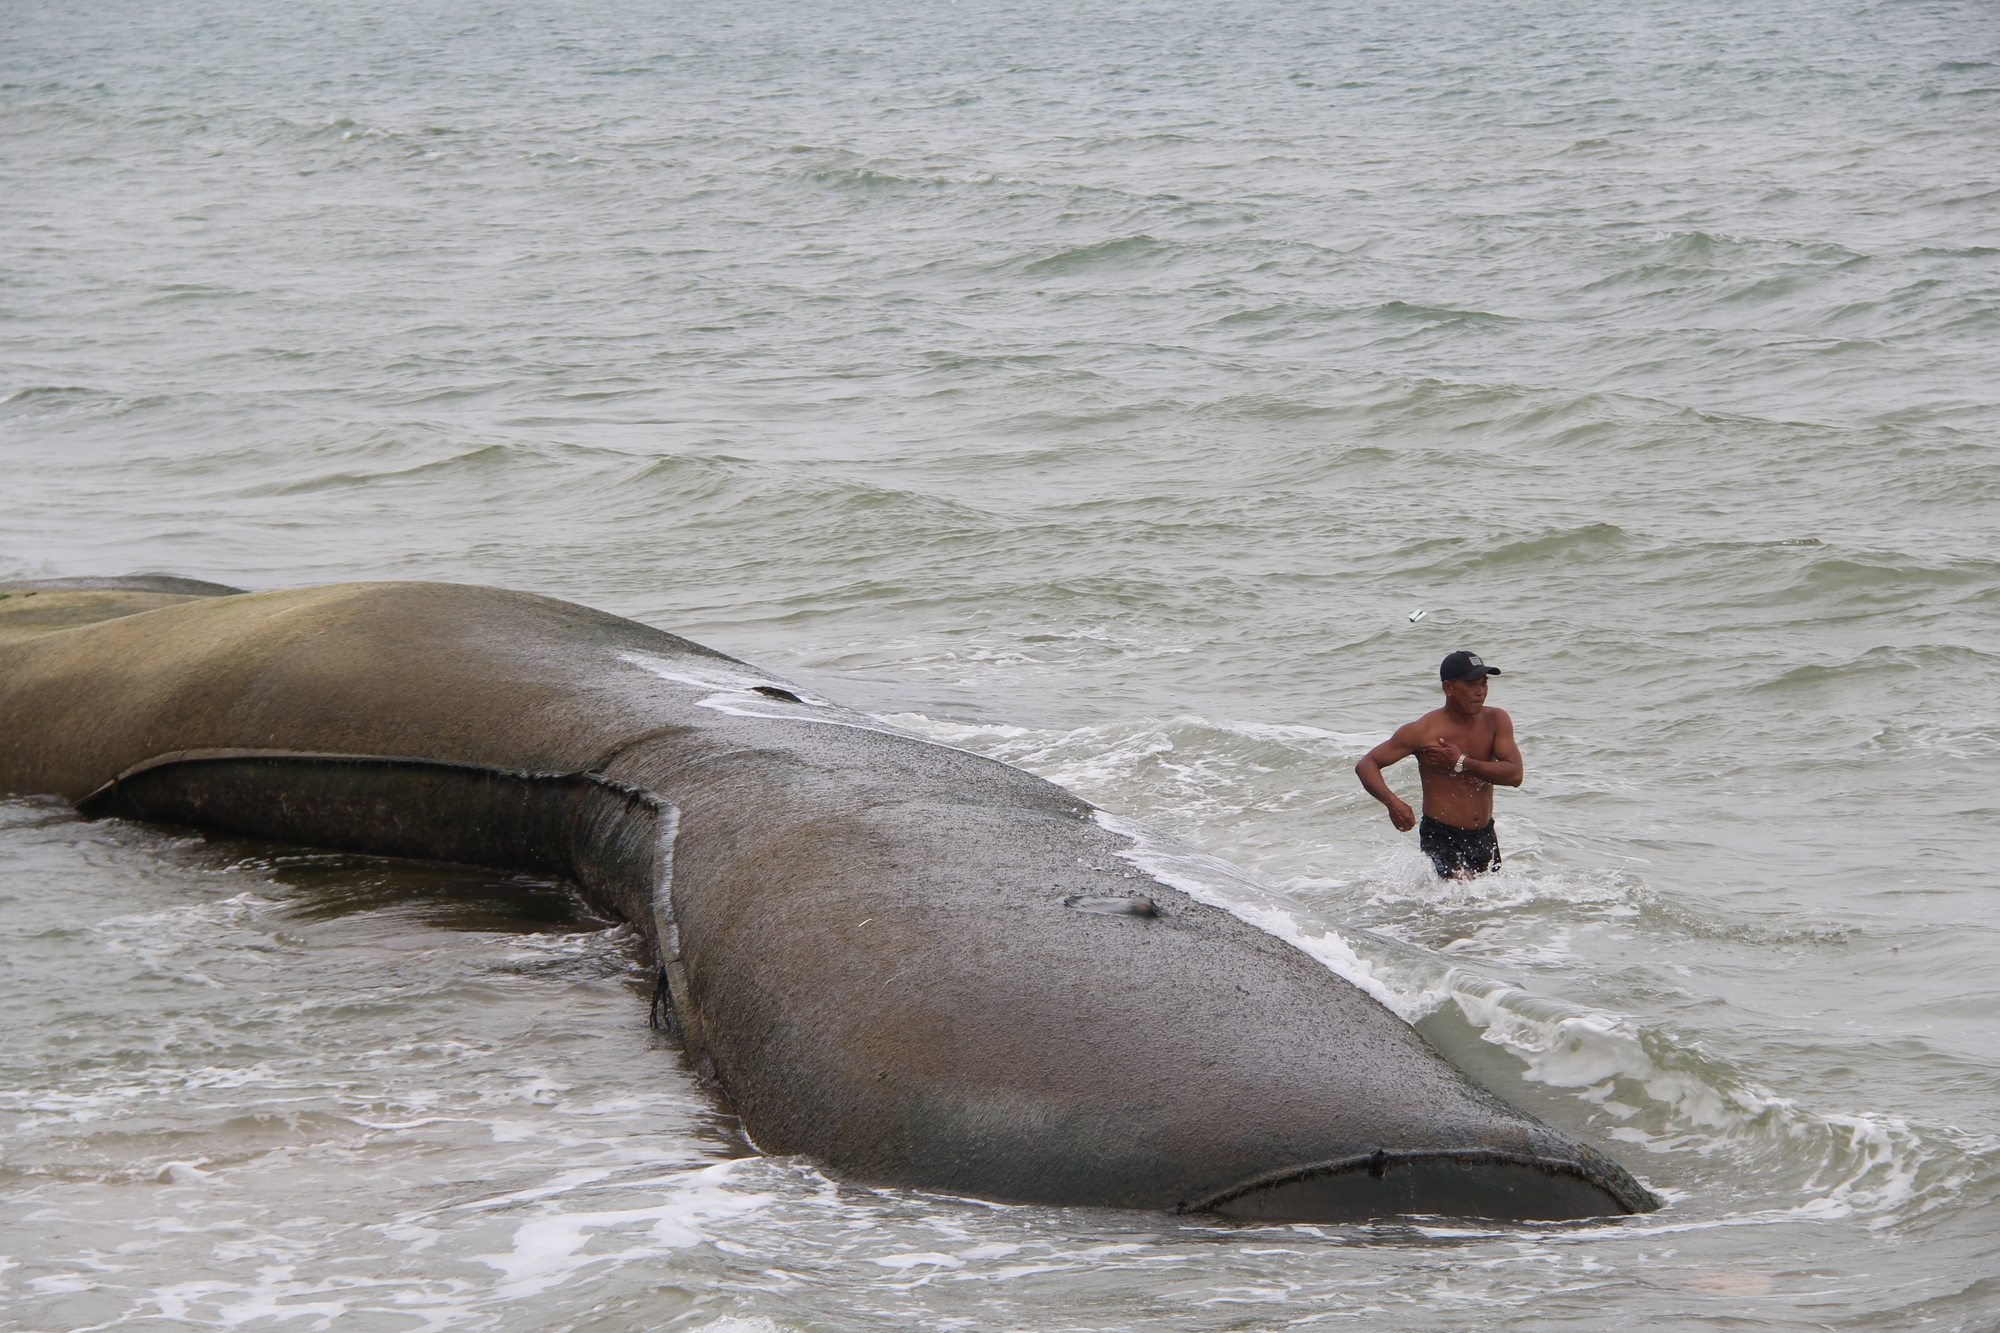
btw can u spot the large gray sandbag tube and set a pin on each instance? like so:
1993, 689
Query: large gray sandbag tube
918, 965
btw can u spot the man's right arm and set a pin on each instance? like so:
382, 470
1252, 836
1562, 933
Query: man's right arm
1390, 752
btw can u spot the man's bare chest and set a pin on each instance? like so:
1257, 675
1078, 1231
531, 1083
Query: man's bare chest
1474, 738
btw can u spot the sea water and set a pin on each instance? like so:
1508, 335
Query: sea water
1101, 387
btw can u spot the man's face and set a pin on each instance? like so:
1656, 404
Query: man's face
1468, 695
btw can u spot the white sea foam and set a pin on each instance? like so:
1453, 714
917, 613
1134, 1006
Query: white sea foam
553, 1246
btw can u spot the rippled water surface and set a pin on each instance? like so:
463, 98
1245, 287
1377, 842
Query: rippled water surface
1101, 388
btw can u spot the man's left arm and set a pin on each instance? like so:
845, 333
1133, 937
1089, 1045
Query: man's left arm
1505, 768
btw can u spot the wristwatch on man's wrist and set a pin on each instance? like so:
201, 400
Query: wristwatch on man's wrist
1459, 767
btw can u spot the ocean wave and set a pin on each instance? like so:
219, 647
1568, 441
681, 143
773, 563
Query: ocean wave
1652, 1088
1884, 660
1117, 253
1637, 1081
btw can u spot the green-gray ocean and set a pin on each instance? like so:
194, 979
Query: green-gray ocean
1102, 387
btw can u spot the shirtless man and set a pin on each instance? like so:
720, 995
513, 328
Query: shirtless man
1462, 750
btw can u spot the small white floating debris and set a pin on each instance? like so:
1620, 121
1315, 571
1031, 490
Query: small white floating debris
1417, 615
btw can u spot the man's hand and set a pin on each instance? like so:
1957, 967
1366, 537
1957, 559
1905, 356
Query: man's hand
1392, 751
1504, 768
1441, 754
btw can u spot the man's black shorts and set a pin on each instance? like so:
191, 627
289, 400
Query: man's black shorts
1459, 851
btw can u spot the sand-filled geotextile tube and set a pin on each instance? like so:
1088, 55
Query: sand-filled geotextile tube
920, 966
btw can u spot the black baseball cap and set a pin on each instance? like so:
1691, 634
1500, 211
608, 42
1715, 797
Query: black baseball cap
1465, 666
